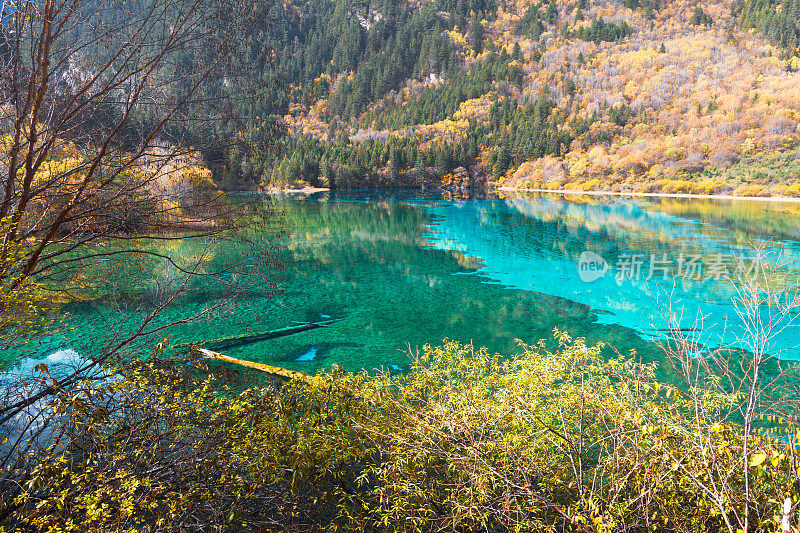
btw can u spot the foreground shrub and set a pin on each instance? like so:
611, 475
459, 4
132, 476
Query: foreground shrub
563, 441
465, 441
167, 446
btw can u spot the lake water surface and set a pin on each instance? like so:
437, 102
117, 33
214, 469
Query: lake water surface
406, 268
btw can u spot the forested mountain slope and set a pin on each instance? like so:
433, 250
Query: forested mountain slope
680, 96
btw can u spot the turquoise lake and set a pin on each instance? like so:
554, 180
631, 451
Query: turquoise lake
399, 269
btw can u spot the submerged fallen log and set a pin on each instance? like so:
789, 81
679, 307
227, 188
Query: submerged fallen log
268, 369
233, 341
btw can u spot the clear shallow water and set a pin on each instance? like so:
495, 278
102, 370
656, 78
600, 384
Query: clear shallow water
400, 269
663, 257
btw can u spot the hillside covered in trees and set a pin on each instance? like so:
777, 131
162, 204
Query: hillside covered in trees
685, 96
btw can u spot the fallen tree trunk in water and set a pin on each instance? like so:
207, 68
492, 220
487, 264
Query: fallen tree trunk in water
222, 343
268, 369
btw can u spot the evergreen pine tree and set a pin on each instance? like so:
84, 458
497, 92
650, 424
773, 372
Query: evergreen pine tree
476, 36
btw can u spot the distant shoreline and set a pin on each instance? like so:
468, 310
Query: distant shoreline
304, 190
783, 199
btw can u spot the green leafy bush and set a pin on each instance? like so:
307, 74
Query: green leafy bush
464, 441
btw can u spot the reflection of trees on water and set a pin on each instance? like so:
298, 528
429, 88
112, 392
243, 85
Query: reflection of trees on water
385, 268
382, 256
535, 243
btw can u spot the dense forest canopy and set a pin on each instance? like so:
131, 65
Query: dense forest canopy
577, 93
566, 93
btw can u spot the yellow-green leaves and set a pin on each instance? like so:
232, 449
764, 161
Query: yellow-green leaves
466, 440
757, 459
